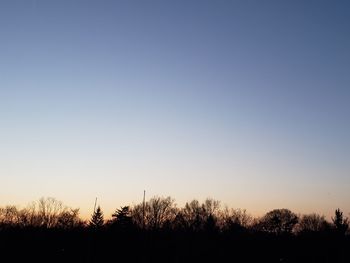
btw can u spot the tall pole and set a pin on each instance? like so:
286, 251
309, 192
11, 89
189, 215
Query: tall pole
143, 209
95, 205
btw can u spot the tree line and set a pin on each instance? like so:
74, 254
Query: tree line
162, 213
159, 231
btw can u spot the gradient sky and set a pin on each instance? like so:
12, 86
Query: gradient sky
247, 102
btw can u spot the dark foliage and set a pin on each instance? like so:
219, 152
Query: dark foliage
278, 221
161, 232
341, 224
121, 219
97, 220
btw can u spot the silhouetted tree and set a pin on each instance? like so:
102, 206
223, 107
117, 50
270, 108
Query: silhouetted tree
9, 216
122, 218
198, 232
155, 213
191, 217
48, 211
341, 224
97, 220
160, 211
278, 221
236, 220
210, 209
28, 216
210, 224
197, 217
69, 219
312, 223
210, 206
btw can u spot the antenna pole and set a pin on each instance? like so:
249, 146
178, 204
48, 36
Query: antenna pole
143, 209
95, 205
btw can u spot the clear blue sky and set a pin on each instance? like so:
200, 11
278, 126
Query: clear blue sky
247, 102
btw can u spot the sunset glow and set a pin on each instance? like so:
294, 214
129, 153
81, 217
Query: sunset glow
245, 103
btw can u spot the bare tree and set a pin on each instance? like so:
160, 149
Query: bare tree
235, 219
69, 219
211, 207
48, 211
9, 215
312, 223
137, 215
195, 216
29, 215
191, 216
155, 213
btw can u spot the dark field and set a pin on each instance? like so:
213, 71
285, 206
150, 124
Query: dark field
84, 245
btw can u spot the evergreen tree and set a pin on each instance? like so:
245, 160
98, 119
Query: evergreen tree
341, 224
122, 218
97, 218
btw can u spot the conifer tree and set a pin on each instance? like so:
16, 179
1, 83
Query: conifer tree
341, 224
122, 218
97, 220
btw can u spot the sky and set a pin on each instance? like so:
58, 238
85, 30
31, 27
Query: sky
247, 102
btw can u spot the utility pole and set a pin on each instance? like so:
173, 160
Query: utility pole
143, 209
95, 205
